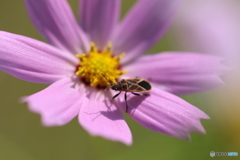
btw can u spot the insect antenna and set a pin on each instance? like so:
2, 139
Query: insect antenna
107, 81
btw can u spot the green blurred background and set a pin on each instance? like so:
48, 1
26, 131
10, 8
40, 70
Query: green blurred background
22, 137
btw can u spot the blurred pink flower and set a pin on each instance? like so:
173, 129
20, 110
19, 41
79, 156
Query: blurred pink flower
210, 27
70, 95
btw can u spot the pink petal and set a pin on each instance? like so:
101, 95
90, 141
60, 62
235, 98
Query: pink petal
143, 26
179, 73
165, 113
98, 19
56, 22
32, 60
59, 103
100, 117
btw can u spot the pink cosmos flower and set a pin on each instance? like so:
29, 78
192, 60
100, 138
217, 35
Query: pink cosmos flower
79, 54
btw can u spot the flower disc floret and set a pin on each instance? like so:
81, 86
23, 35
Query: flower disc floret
97, 63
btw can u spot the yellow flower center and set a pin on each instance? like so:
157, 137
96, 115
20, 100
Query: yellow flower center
95, 64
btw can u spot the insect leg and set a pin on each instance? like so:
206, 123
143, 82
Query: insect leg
125, 96
137, 94
116, 95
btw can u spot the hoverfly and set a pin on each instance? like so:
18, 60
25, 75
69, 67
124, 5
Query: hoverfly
130, 85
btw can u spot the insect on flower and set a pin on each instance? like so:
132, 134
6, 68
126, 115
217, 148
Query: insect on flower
130, 85
78, 55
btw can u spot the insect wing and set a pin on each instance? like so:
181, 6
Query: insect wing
145, 84
134, 81
138, 85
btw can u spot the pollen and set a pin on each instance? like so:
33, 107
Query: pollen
96, 63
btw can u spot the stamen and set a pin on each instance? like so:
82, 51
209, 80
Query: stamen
95, 63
